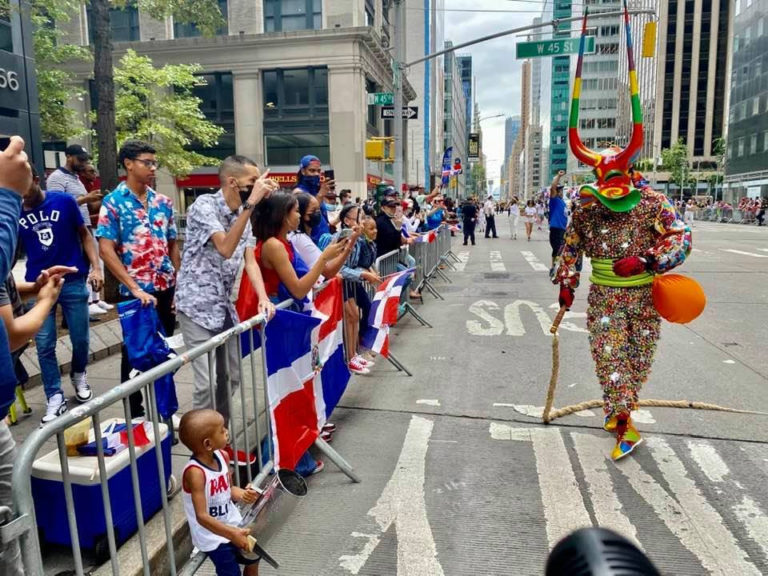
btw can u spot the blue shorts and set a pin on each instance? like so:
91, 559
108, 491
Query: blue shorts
227, 559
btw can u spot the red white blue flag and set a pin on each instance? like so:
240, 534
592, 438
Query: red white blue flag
291, 366
384, 312
333, 376
427, 238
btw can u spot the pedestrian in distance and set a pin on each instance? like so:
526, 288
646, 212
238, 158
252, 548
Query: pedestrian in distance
218, 229
558, 219
53, 232
137, 242
514, 217
469, 220
529, 218
89, 176
209, 495
489, 209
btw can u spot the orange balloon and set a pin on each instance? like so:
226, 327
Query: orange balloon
678, 298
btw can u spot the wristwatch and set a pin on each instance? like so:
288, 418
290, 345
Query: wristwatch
248, 206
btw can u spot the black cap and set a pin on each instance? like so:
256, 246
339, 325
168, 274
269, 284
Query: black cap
390, 191
78, 151
389, 201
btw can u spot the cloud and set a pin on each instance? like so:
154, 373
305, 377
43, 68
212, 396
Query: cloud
498, 74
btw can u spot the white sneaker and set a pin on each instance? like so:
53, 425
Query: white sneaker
83, 391
103, 305
357, 367
56, 405
363, 361
95, 310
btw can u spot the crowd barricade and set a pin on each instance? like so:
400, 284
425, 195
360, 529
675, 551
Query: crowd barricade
392, 262
146, 472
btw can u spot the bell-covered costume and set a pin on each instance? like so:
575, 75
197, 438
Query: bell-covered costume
631, 234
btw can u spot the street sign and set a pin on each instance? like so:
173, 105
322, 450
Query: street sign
409, 112
557, 47
381, 99
474, 146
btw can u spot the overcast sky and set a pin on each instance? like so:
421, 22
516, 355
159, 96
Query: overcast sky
497, 73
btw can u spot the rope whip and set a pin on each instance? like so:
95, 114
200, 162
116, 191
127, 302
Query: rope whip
549, 414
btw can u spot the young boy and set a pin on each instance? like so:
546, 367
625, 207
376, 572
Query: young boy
209, 496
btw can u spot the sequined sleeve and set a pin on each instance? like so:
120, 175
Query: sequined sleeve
569, 259
674, 239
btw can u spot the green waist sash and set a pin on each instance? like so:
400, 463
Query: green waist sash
603, 275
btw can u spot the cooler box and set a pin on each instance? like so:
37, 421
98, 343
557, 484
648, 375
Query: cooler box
50, 505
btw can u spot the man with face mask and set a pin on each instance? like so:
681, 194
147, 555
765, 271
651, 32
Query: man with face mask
218, 229
308, 180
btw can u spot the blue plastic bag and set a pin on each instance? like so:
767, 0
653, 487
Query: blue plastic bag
144, 340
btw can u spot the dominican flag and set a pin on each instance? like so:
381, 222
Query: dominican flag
332, 380
446, 173
376, 340
387, 299
291, 365
427, 238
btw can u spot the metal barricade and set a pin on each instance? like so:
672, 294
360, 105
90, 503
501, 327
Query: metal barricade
737, 217
245, 431
390, 263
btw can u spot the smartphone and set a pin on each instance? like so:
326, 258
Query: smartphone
346, 233
330, 175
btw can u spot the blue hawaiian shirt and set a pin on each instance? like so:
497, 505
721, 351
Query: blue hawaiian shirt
141, 236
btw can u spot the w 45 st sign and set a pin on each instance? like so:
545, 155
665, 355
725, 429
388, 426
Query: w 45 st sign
544, 48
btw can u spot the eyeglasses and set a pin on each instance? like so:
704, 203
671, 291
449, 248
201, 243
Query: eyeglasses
149, 163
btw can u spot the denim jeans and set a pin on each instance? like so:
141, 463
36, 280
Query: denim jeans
73, 300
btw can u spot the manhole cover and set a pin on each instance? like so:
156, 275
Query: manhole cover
496, 275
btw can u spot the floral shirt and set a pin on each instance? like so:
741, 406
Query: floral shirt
206, 278
652, 230
141, 236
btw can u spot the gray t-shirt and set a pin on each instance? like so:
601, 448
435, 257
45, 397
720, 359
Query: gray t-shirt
205, 281
63, 180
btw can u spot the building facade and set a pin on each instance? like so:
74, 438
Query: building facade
454, 118
692, 74
511, 130
282, 83
19, 110
560, 94
746, 161
534, 134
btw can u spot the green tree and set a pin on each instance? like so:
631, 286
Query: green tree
675, 161
55, 86
157, 105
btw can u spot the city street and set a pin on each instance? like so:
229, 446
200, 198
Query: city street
458, 480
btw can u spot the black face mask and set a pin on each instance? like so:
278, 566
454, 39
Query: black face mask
245, 192
314, 219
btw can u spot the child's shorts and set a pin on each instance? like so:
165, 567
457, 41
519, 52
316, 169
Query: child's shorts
227, 559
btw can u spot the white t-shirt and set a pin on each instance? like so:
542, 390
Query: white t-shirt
514, 210
305, 248
530, 211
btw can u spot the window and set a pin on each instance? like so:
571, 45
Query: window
182, 30
296, 114
290, 15
741, 147
218, 105
756, 105
370, 88
123, 23
370, 12
765, 141
6, 30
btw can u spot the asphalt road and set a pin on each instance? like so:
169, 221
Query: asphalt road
457, 480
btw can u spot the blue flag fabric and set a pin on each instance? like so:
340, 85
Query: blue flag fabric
143, 337
446, 173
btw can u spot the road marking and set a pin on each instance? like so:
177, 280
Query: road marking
497, 262
743, 253
708, 460
507, 432
643, 417
609, 512
697, 525
463, 257
403, 503
755, 522
535, 263
428, 402
514, 322
763, 249
729, 362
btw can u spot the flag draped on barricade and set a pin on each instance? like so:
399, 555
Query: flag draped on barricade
384, 312
291, 362
333, 376
427, 238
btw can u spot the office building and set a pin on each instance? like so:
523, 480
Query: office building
511, 130
534, 135
746, 164
283, 83
454, 118
560, 94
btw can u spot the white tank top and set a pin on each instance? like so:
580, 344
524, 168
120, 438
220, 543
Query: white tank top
218, 499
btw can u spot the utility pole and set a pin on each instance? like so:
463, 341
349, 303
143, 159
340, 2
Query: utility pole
397, 85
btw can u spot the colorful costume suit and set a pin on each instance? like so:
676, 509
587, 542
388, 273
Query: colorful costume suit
630, 233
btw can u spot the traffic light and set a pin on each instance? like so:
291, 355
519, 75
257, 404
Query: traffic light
382, 149
649, 39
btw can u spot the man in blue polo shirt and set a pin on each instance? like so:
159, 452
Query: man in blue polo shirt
558, 218
52, 231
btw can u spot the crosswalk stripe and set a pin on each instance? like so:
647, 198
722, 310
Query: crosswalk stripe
535, 263
755, 522
695, 522
563, 515
497, 262
608, 510
708, 460
463, 257
731, 250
